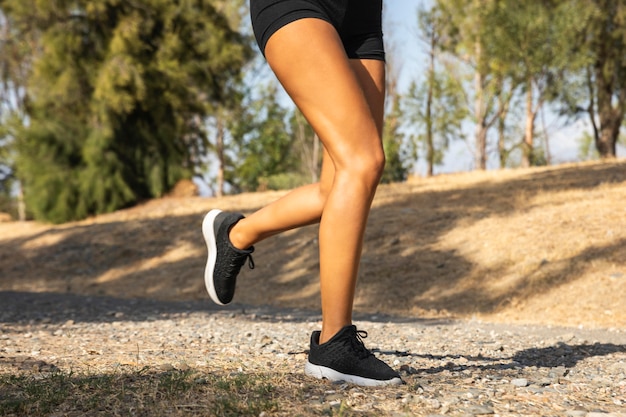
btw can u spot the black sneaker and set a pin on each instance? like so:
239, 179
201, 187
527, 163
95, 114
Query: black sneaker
345, 358
225, 260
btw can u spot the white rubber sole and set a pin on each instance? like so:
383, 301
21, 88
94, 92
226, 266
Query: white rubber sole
322, 372
209, 237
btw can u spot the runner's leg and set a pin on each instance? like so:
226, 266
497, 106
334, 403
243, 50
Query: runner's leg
335, 95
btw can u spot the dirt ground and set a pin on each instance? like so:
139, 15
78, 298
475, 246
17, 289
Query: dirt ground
542, 245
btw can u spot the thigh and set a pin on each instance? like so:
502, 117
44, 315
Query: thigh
309, 60
268, 16
372, 78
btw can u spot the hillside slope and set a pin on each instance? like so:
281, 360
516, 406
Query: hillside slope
543, 245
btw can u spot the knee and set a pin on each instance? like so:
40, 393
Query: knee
367, 167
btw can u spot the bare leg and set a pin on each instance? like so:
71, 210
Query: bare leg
343, 101
300, 207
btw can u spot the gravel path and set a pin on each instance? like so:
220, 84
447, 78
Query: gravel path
450, 367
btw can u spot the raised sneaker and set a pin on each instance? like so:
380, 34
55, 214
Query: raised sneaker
224, 260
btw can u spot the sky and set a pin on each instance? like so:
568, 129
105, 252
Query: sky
400, 27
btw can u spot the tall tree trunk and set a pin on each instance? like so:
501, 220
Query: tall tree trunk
480, 156
221, 162
430, 146
609, 71
21, 205
610, 116
609, 133
529, 129
502, 112
546, 139
591, 108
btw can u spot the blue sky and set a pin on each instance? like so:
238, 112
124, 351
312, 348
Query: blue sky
400, 26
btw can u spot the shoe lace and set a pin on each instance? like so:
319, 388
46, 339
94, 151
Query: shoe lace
358, 345
250, 261
237, 262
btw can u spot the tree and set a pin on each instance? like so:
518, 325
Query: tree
542, 33
265, 144
399, 155
230, 108
469, 29
116, 97
436, 107
16, 55
606, 76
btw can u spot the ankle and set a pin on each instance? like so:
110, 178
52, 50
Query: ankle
237, 238
329, 331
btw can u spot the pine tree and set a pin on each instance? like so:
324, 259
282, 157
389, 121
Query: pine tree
116, 97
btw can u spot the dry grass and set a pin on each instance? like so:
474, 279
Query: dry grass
545, 245
138, 392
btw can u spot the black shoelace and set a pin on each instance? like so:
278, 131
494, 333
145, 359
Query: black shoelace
250, 261
238, 261
358, 346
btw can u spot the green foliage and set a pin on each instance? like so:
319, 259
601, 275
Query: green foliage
598, 88
534, 51
264, 143
445, 118
399, 154
115, 97
586, 148
15, 59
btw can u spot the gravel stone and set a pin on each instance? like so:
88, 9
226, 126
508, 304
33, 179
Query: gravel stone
449, 367
520, 382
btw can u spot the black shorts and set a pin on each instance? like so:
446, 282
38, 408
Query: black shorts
358, 22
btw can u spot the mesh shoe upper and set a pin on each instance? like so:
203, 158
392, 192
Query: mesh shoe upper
228, 259
346, 354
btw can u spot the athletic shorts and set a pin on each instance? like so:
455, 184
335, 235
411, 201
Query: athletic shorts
358, 22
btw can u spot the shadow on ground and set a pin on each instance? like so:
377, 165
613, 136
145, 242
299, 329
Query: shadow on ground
559, 355
55, 308
162, 257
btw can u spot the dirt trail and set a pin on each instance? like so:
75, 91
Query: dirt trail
543, 245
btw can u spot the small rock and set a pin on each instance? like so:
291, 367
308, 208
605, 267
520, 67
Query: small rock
433, 403
479, 410
408, 398
559, 371
334, 397
408, 369
544, 382
519, 382
576, 413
